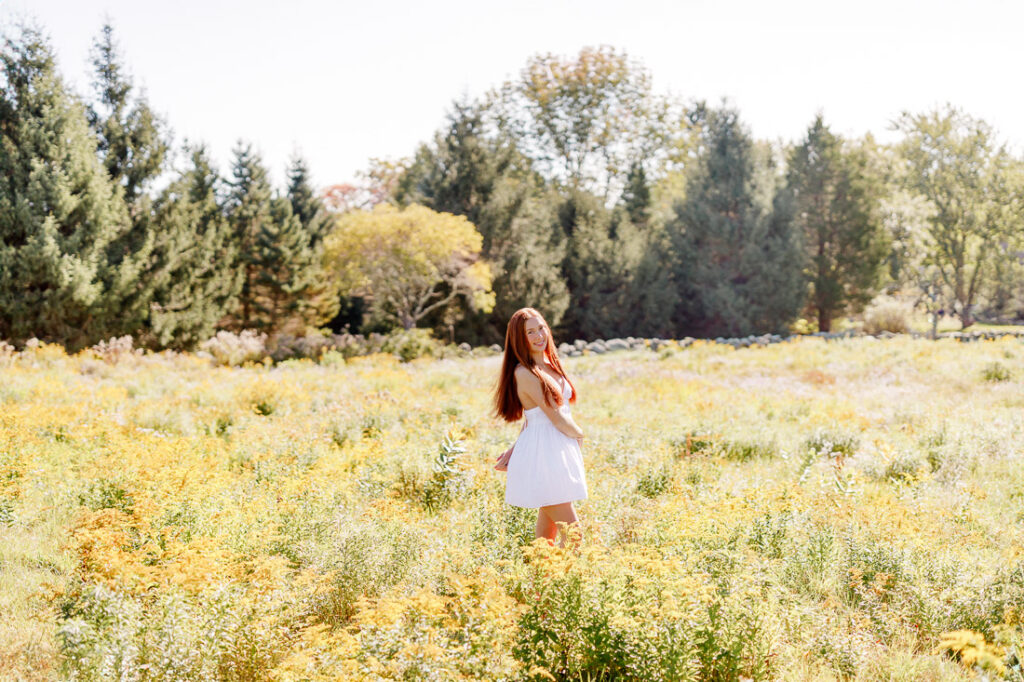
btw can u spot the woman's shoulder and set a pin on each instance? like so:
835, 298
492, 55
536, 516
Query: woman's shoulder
524, 374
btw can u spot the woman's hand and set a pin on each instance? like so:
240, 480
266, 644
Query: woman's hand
503, 458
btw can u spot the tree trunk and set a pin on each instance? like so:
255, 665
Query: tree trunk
824, 320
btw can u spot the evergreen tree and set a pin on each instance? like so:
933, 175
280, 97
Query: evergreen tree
306, 205
59, 212
249, 215
132, 147
737, 257
527, 251
636, 196
281, 273
460, 172
194, 281
131, 140
317, 301
835, 199
471, 172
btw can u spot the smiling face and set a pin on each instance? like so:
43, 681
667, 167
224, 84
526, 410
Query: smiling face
536, 335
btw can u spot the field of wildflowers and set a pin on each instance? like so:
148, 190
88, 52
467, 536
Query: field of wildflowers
811, 510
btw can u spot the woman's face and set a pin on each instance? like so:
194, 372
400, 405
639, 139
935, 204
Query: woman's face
536, 334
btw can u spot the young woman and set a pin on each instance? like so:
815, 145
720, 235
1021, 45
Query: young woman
545, 465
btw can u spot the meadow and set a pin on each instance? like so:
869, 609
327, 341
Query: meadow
811, 510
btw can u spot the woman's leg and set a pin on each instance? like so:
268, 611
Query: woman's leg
557, 513
546, 528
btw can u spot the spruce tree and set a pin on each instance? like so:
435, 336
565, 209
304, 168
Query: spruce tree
132, 144
472, 171
737, 259
248, 210
306, 205
133, 149
281, 274
59, 212
195, 283
835, 201
636, 195
318, 301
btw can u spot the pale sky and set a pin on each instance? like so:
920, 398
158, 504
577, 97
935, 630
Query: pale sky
346, 81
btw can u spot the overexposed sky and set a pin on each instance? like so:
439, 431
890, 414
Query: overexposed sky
345, 81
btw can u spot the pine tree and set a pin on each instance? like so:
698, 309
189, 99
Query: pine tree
59, 212
131, 139
195, 283
306, 205
737, 259
319, 301
835, 201
132, 147
636, 196
281, 274
248, 211
472, 172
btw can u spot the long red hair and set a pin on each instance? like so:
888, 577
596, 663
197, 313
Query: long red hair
517, 352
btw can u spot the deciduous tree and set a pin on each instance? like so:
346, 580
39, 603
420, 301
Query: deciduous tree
954, 161
409, 262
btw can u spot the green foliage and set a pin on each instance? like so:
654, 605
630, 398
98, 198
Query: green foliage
737, 264
410, 262
279, 268
470, 171
654, 481
131, 139
588, 120
829, 443
60, 215
195, 283
834, 196
996, 372
970, 183
319, 302
106, 494
409, 344
449, 478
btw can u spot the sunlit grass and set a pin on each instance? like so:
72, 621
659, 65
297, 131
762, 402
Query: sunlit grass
809, 510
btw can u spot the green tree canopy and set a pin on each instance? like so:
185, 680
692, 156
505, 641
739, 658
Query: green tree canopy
59, 211
194, 279
589, 119
409, 262
737, 257
954, 161
835, 196
131, 139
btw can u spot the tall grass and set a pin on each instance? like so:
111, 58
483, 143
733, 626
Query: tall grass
809, 510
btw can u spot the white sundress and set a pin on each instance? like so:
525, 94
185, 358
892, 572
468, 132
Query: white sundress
546, 466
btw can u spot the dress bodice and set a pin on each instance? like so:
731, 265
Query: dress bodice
536, 414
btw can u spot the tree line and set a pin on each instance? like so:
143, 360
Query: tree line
573, 188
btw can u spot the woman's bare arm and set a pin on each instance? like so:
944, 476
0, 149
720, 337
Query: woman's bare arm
529, 386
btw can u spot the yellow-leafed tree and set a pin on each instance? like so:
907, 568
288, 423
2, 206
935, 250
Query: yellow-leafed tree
409, 262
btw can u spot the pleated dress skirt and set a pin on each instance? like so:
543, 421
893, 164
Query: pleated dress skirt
546, 466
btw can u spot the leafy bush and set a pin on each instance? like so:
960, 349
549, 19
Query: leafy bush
410, 344
654, 482
996, 372
449, 478
832, 443
887, 314
746, 450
